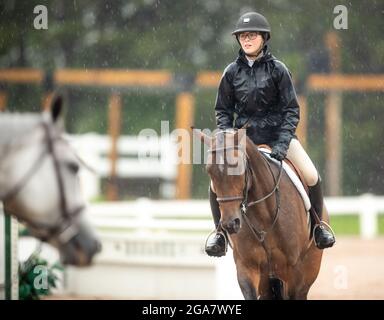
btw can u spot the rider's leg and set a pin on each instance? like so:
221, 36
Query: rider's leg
215, 208
300, 158
216, 244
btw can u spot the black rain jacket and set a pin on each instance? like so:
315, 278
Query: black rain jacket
263, 93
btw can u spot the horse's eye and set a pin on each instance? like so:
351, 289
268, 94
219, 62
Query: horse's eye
73, 166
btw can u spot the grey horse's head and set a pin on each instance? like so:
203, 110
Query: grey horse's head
39, 183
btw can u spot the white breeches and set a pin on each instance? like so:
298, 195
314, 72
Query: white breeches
297, 155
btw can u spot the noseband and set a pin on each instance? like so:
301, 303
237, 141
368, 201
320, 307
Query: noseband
65, 229
259, 234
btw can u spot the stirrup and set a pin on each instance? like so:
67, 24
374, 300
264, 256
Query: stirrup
321, 225
217, 231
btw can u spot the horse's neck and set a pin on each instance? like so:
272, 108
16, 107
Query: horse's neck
262, 184
260, 168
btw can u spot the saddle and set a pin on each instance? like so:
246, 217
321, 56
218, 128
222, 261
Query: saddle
293, 173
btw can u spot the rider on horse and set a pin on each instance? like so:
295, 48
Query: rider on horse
258, 88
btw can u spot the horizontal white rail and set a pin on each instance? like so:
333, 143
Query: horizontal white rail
164, 241
139, 157
195, 215
154, 157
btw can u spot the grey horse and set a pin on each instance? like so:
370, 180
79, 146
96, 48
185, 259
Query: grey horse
39, 183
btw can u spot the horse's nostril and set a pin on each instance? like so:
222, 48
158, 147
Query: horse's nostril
233, 226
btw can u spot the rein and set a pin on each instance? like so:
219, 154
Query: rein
259, 234
65, 229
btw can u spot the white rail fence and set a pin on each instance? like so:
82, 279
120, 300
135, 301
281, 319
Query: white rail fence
194, 215
368, 207
155, 250
138, 157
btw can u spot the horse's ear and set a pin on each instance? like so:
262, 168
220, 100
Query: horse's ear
202, 136
56, 107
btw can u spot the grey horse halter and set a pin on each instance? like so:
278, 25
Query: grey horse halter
65, 229
259, 234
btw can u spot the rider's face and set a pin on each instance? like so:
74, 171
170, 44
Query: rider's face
251, 42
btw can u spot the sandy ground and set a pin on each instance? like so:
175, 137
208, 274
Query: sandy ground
352, 269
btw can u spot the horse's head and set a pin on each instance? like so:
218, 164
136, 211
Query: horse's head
227, 168
39, 185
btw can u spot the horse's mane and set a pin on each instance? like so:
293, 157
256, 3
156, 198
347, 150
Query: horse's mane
252, 149
13, 125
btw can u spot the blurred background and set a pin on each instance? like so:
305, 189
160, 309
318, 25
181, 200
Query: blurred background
125, 66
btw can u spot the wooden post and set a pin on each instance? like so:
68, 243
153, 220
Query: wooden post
333, 123
46, 101
114, 116
184, 120
333, 143
3, 100
302, 127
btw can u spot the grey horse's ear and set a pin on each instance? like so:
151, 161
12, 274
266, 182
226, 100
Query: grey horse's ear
56, 107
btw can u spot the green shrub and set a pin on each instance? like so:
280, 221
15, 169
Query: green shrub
37, 277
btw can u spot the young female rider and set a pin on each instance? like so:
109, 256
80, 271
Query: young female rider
259, 89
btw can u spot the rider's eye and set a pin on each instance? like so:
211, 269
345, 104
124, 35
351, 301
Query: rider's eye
73, 166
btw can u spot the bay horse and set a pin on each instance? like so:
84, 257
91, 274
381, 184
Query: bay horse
264, 217
39, 183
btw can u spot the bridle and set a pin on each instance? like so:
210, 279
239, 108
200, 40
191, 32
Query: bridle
65, 229
259, 234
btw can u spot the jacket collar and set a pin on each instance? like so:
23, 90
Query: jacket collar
266, 57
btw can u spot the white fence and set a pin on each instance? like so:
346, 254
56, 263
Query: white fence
155, 249
195, 215
138, 157
367, 207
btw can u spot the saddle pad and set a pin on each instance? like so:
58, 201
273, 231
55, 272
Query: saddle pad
294, 178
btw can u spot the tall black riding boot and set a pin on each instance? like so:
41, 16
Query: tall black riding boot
323, 237
216, 245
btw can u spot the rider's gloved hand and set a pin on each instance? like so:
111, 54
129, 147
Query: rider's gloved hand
279, 152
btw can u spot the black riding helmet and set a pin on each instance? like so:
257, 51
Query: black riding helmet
253, 21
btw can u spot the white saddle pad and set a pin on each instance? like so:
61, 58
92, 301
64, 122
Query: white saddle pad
294, 178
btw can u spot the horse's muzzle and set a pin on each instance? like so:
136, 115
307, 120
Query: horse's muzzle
233, 226
81, 249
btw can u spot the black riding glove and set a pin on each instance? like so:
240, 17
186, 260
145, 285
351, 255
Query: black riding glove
279, 152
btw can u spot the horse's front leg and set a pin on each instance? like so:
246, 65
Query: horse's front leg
248, 283
247, 288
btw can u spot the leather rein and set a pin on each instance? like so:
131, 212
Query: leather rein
258, 233
65, 229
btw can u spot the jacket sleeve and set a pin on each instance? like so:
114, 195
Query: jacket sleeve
225, 104
289, 106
